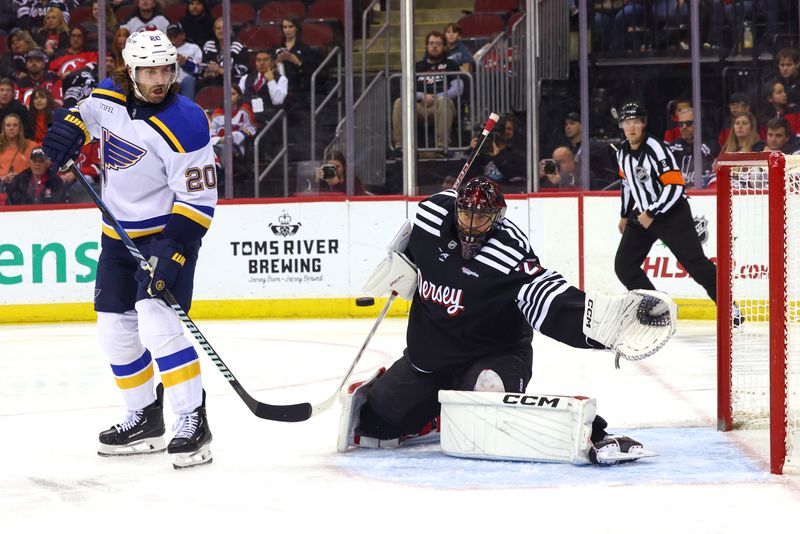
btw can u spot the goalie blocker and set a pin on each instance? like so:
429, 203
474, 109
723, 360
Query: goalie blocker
529, 427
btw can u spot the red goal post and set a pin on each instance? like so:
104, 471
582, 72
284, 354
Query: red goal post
758, 300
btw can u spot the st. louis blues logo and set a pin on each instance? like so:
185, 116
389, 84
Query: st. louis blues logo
118, 153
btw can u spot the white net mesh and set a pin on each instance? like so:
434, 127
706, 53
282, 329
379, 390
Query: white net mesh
750, 349
792, 186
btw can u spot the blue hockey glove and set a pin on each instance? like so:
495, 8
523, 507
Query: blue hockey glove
166, 260
65, 137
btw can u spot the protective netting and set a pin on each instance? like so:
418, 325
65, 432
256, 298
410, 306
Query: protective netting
750, 276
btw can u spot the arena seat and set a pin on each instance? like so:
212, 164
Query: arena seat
277, 11
261, 37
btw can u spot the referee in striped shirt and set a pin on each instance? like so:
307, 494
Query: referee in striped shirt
654, 206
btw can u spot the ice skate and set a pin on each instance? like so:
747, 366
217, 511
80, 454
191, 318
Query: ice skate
612, 450
142, 431
190, 446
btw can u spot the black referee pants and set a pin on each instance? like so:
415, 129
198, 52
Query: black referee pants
676, 229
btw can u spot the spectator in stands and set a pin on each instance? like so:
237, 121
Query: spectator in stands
120, 38
338, 182
612, 20
573, 132
738, 104
434, 95
91, 25
8, 16
198, 23
674, 13
189, 59
788, 66
739, 11
776, 104
243, 124
560, 172
674, 108
213, 58
31, 13
780, 136
147, 16
88, 161
37, 75
76, 45
265, 88
683, 150
744, 135
55, 32
500, 158
78, 82
299, 62
456, 50
12, 64
41, 109
10, 105
15, 148
38, 184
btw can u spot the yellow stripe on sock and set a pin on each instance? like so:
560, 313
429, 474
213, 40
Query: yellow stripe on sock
130, 382
173, 378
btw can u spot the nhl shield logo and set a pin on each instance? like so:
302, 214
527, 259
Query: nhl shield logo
641, 174
701, 227
284, 228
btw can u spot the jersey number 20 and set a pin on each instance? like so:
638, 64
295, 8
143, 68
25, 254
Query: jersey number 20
196, 179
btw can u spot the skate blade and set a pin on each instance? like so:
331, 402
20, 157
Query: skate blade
142, 446
613, 457
191, 459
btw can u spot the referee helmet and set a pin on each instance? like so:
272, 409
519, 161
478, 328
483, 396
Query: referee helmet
632, 109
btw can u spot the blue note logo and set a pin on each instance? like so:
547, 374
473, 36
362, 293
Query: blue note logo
118, 153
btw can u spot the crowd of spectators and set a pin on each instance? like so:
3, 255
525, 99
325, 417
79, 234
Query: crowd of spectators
49, 62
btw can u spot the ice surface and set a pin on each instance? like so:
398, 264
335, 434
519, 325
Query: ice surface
56, 394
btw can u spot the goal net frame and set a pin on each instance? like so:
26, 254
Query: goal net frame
777, 313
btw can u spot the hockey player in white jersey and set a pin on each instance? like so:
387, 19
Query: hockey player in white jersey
478, 291
160, 183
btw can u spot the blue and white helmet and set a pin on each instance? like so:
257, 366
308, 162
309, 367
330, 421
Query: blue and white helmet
149, 48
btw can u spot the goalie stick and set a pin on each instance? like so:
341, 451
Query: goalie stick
327, 403
274, 412
493, 118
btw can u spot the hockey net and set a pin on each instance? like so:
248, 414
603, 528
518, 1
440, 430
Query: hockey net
758, 255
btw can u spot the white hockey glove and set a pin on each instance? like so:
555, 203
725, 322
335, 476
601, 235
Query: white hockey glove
634, 325
395, 273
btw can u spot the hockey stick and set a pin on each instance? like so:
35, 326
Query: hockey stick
493, 118
274, 412
327, 403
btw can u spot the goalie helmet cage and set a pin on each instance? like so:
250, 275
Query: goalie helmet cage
758, 290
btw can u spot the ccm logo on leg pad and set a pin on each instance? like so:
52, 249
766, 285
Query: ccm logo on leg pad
530, 400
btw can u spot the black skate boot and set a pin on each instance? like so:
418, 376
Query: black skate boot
192, 436
142, 432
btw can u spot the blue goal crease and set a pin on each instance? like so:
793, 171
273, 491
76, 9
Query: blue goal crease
686, 456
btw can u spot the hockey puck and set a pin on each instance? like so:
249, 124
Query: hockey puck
365, 301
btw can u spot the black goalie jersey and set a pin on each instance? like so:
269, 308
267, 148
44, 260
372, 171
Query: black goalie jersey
465, 310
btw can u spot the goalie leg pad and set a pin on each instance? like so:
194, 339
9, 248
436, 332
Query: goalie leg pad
352, 402
516, 426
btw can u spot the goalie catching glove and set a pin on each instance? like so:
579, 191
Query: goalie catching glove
634, 325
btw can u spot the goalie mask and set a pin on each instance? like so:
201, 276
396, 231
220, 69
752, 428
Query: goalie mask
150, 49
480, 207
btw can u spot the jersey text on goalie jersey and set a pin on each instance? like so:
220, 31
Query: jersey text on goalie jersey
444, 295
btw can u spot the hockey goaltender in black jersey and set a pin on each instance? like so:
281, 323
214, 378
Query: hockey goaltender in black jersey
478, 293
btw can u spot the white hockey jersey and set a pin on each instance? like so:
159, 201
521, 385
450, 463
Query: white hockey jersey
159, 165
